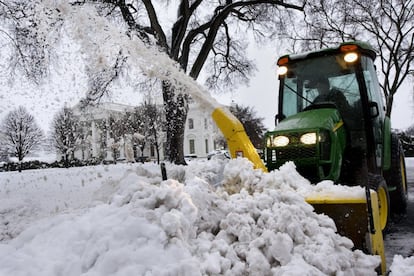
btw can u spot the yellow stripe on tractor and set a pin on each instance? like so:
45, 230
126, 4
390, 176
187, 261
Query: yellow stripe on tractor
350, 215
338, 125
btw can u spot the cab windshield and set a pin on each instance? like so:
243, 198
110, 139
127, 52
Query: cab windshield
301, 87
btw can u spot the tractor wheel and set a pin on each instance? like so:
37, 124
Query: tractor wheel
378, 184
396, 177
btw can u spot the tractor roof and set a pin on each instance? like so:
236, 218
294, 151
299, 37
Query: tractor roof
360, 46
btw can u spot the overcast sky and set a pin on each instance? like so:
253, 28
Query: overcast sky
67, 85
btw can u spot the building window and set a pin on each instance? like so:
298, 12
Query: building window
206, 145
205, 123
192, 146
190, 123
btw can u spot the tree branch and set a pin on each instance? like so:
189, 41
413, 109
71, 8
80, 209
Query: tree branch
155, 25
220, 15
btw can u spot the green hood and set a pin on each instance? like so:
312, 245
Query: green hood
318, 161
323, 118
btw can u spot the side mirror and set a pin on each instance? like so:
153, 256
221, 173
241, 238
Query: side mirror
278, 118
373, 109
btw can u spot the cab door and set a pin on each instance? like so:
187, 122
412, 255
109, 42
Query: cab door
375, 108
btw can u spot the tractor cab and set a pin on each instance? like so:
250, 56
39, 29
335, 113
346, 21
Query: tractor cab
331, 120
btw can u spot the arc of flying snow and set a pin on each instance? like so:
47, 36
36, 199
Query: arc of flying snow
149, 59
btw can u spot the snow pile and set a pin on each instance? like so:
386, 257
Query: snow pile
401, 266
135, 224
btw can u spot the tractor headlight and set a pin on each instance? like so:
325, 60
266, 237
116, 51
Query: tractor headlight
309, 138
280, 141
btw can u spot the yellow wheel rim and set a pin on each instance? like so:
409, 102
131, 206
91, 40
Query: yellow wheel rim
383, 207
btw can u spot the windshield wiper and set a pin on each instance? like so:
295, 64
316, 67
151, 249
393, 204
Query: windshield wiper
294, 91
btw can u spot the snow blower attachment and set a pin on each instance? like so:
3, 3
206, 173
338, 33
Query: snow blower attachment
331, 123
357, 218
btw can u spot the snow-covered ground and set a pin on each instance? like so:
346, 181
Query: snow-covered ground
209, 218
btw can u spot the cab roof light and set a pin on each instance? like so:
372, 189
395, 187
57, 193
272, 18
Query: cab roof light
283, 61
349, 48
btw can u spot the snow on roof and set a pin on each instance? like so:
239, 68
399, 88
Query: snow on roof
103, 107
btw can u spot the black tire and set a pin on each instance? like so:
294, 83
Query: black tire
377, 183
396, 178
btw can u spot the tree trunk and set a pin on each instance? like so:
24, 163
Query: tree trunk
66, 161
20, 159
157, 149
176, 108
114, 153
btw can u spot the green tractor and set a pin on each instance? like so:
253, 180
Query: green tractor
331, 123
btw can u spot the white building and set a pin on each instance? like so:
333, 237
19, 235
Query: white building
201, 134
96, 141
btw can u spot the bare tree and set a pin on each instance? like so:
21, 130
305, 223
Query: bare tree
21, 134
209, 35
387, 24
202, 30
31, 48
116, 129
133, 122
65, 133
145, 124
3, 149
153, 119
